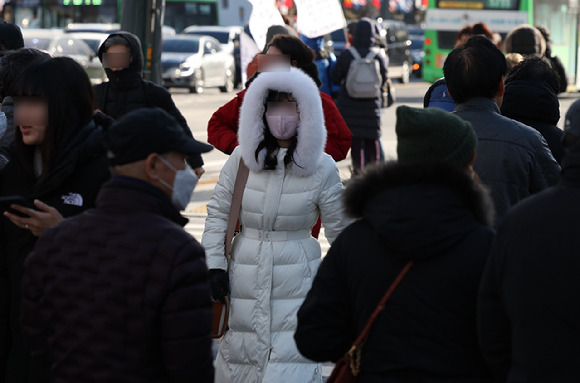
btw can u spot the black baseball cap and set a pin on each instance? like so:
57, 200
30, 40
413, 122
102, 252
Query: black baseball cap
149, 130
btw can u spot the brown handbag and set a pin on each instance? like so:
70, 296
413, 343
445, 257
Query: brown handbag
220, 310
348, 367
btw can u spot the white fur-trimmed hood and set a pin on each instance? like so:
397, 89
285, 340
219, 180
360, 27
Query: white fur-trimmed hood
311, 138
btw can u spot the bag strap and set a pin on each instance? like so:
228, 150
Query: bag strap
381, 306
354, 53
237, 196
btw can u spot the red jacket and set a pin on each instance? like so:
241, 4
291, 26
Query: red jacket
222, 128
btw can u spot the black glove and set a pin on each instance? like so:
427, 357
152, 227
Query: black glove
220, 284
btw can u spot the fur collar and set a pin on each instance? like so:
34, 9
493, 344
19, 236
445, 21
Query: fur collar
391, 175
311, 129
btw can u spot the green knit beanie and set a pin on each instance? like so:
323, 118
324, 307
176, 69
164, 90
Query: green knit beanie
432, 134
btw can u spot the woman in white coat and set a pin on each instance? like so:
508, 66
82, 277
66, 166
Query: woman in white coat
274, 258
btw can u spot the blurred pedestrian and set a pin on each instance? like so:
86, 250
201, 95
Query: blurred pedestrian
513, 160
325, 61
274, 258
272, 32
527, 315
126, 90
120, 293
531, 97
427, 208
362, 114
57, 166
526, 40
555, 60
11, 65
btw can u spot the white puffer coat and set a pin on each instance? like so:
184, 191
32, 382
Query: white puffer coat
275, 258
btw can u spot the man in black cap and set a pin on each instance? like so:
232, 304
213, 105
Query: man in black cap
121, 293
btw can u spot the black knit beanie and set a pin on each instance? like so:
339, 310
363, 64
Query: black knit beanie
432, 134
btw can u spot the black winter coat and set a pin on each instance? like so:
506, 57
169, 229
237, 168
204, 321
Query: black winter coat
434, 216
126, 91
71, 188
535, 104
123, 292
362, 115
513, 160
528, 314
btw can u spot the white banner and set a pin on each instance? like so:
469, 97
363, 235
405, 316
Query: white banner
248, 50
319, 17
264, 15
455, 19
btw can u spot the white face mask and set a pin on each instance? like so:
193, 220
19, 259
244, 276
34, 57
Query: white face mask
282, 118
182, 189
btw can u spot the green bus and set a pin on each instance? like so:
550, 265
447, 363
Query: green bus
444, 18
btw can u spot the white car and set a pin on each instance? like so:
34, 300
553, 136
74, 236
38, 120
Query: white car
229, 38
196, 62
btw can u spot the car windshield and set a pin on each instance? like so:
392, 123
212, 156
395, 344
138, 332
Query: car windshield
37, 42
93, 44
222, 37
181, 46
416, 43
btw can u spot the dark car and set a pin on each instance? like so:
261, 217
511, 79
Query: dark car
398, 50
196, 62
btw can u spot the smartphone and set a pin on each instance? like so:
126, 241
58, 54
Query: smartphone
6, 201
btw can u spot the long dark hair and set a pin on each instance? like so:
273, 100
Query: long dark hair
67, 90
270, 142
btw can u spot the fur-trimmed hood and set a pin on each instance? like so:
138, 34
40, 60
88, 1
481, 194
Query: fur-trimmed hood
419, 211
311, 129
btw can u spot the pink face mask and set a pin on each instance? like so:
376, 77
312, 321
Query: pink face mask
282, 121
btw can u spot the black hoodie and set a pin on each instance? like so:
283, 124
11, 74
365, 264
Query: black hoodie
71, 188
127, 91
432, 215
535, 104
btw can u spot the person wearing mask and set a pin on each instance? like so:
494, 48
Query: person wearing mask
531, 97
527, 313
122, 58
291, 182
11, 65
362, 115
56, 167
120, 293
427, 208
513, 159
222, 127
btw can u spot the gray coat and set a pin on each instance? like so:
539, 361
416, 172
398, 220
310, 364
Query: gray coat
513, 160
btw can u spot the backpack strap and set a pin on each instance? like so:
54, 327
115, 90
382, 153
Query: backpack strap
354, 53
372, 53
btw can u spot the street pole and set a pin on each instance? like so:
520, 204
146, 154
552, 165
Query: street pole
144, 18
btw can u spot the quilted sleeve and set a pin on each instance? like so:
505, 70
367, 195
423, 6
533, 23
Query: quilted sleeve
218, 210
